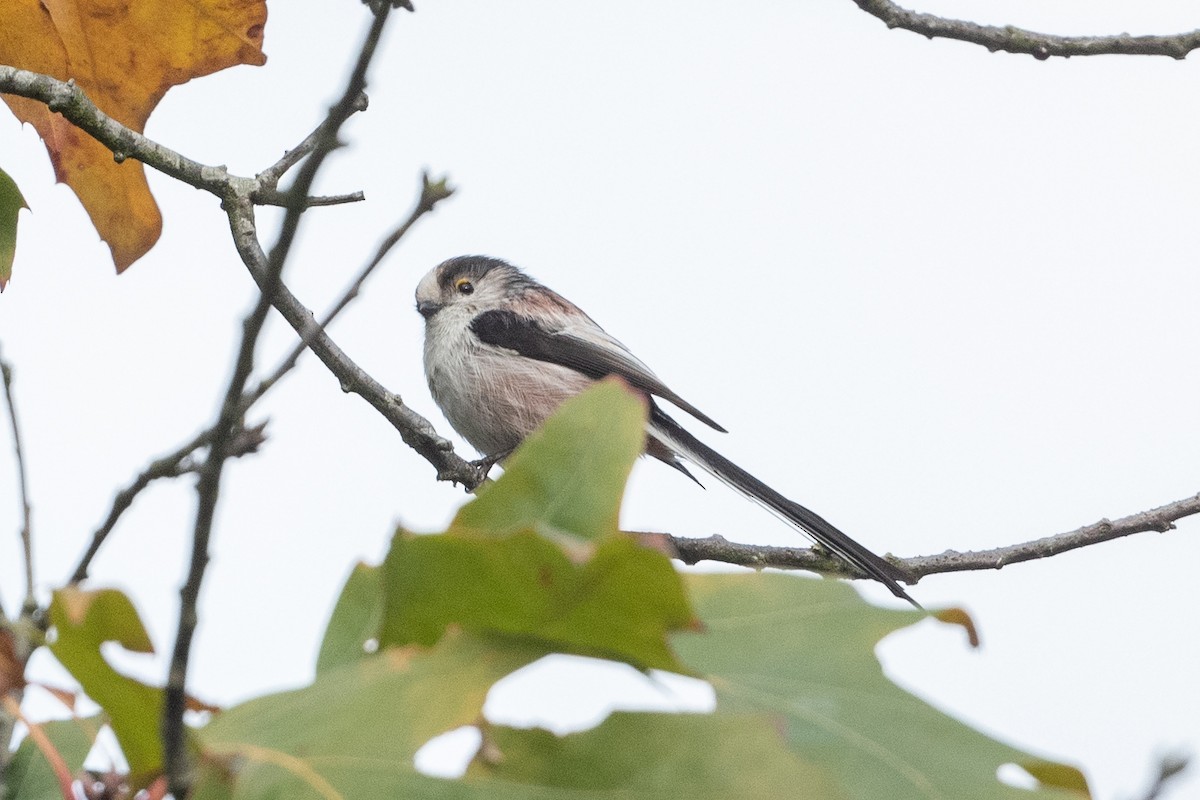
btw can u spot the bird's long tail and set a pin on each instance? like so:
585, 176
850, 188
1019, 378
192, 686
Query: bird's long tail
670, 433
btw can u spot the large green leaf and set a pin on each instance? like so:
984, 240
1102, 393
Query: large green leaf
11, 203
803, 649
84, 620
355, 619
633, 755
29, 775
569, 475
620, 603
354, 732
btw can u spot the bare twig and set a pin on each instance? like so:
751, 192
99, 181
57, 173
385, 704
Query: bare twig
432, 192
65, 98
717, 548
1017, 40
179, 462
276, 198
207, 490
171, 465
1170, 767
174, 751
416, 431
29, 607
270, 176
1161, 519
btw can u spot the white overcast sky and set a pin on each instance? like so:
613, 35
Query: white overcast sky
946, 298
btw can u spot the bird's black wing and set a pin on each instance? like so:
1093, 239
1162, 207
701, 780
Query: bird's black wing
534, 339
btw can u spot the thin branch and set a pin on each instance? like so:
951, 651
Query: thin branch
175, 754
69, 100
65, 98
29, 607
1171, 766
717, 548
432, 192
181, 462
207, 489
270, 176
175, 758
1039, 45
175, 464
416, 431
1161, 519
267, 197
171, 465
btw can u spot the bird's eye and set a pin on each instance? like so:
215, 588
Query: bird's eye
464, 286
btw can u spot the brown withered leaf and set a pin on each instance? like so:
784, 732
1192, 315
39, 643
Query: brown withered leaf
12, 673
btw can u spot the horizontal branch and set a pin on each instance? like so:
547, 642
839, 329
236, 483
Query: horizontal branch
276, 198
718, 548
1039, 45
69, 100
65, 98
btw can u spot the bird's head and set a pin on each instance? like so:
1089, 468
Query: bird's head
473, 283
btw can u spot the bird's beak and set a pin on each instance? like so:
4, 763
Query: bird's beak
427, 308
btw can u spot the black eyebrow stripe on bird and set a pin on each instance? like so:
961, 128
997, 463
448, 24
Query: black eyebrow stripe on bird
470, 267
513, 331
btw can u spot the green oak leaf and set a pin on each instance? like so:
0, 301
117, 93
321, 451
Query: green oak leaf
658, 757
804, 649
354, 732
619, 603
85, 619
355, 619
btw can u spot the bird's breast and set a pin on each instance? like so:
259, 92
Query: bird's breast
492, 396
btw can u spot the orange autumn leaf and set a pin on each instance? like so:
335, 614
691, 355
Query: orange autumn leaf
125, 54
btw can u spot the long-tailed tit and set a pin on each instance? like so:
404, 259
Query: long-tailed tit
502, 352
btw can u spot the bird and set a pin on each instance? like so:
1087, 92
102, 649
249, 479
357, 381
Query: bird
502, 352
